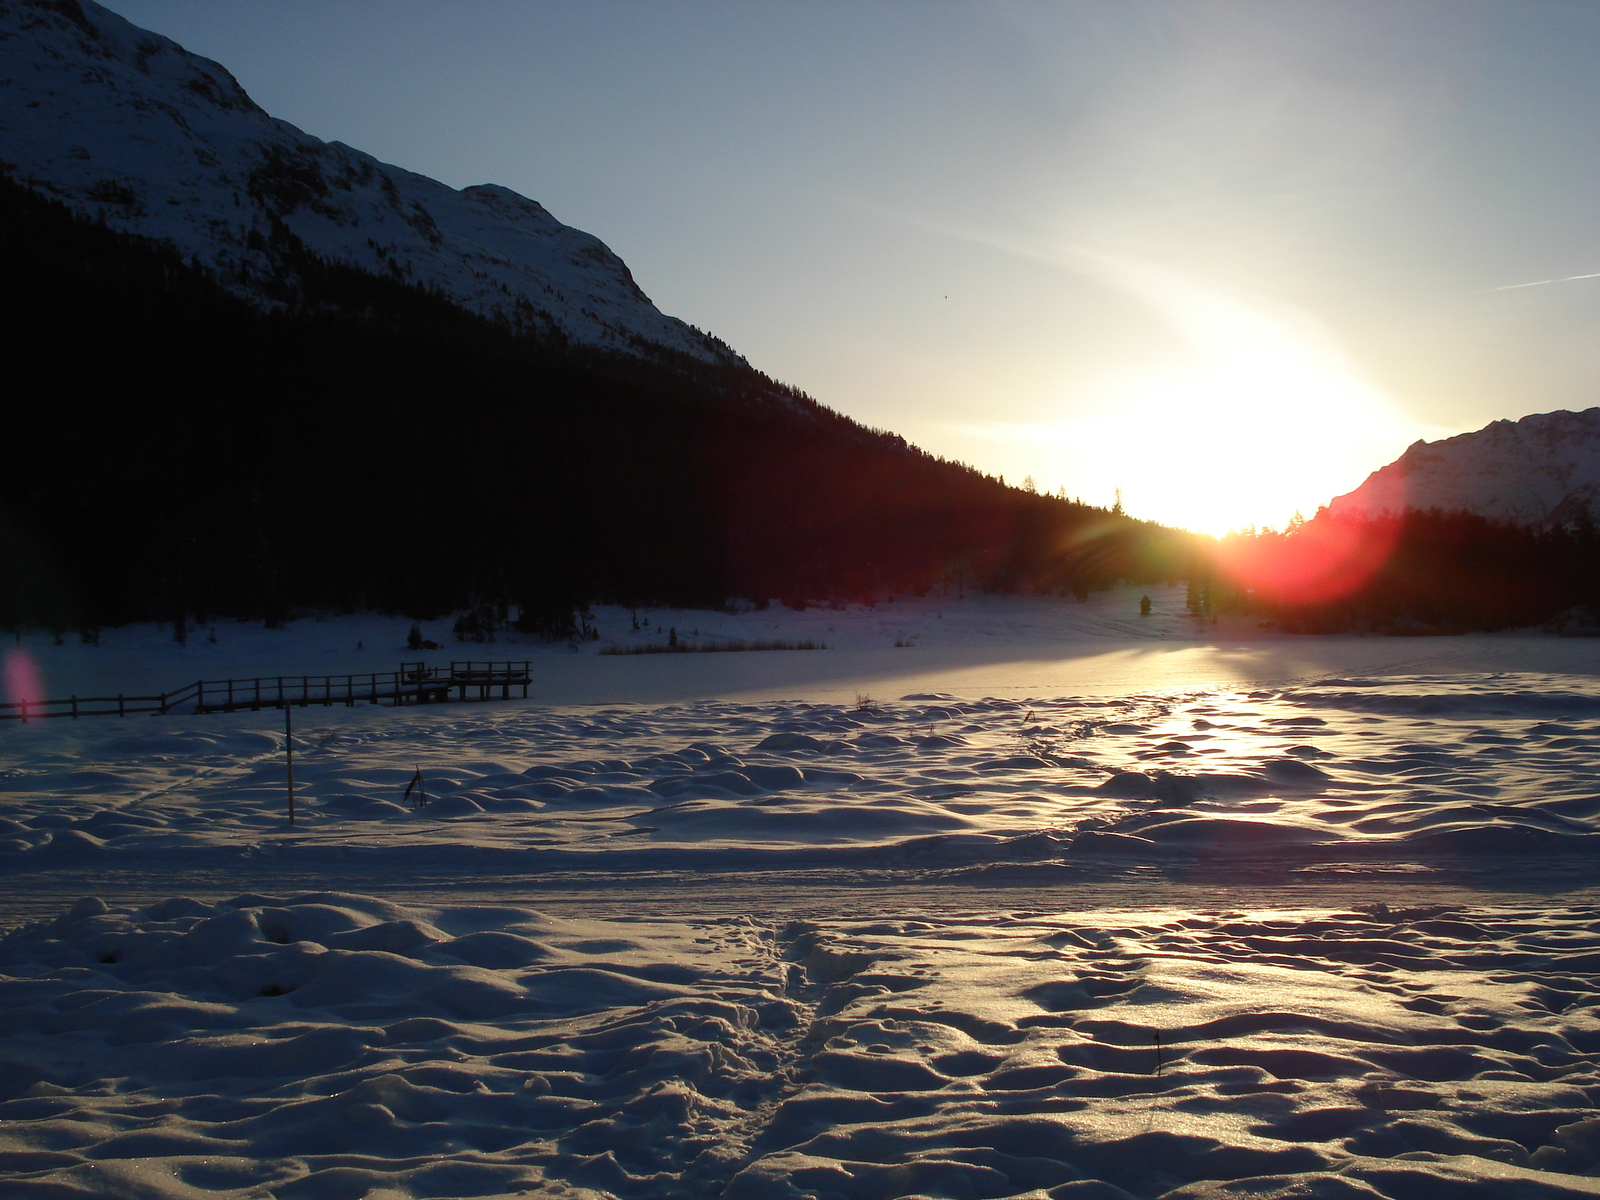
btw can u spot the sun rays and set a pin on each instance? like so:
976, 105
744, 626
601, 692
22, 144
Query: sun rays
1257, 413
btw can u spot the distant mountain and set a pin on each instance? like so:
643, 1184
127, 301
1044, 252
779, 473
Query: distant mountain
178, 454
1543, 469
129, 128
255, 374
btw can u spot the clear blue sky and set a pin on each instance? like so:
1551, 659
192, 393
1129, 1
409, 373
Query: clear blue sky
1226, 256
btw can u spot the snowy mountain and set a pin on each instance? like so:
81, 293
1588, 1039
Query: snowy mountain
1542, 469
128, 127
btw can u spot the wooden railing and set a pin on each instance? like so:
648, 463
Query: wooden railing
413, 683
484, 676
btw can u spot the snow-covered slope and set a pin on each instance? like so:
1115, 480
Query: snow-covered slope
127, 126
1545, 467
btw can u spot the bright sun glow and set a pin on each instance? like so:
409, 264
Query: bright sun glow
1270, 417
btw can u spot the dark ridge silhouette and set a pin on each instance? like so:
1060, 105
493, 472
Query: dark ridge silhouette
175, 453
1421, 572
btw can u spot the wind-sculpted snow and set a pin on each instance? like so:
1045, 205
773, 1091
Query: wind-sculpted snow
338, 1046
130, 128
330, 1046
1443, 771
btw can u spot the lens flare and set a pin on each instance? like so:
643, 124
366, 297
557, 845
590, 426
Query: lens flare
1321, 561
24, 681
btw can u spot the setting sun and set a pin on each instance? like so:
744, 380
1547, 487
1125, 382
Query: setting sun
1254, 411
1268, 417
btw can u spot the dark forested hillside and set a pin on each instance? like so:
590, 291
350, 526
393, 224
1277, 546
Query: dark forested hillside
1419, 572
172, 451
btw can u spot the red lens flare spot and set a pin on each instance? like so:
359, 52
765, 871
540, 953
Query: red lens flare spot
1323, 560
24, 682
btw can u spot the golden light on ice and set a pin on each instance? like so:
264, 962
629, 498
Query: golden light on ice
1268, 417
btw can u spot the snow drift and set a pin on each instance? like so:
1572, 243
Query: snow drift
1464, 773
335, 1045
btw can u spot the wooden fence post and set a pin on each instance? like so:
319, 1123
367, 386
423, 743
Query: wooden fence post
288, 755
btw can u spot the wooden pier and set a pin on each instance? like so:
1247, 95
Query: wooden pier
413, 683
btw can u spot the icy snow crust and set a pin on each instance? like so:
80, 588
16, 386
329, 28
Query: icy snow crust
127, 126
1430, 770
334, 1045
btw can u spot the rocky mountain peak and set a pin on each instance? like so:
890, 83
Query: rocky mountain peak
1544, 468
128, 127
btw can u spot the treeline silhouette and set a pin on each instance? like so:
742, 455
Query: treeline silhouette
174, 453
1427, 571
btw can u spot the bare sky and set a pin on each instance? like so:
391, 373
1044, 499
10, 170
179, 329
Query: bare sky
1227, 256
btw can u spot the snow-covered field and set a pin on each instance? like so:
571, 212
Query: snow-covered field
977, 646
1336, 774
998, 942
340, 1046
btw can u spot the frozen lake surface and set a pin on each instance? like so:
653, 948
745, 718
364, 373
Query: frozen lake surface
980, 646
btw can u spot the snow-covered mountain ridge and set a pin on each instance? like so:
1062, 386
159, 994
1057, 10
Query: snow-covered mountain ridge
1544, 468
126, 126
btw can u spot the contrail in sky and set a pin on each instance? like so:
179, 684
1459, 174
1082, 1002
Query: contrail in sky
1541, 282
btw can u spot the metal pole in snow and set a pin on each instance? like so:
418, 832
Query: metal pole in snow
288, 755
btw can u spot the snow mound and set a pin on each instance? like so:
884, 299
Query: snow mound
1450, 773
334, 1044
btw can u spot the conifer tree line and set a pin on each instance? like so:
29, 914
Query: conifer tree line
1421, 571
175, 454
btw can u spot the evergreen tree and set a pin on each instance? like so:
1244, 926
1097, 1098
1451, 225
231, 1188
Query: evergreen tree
650, 479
